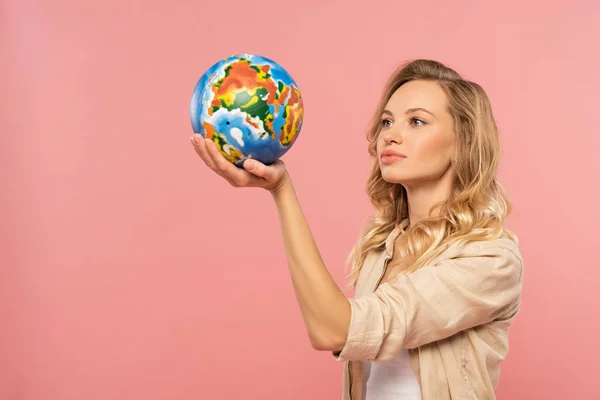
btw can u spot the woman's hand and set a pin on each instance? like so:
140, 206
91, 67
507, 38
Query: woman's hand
254, 173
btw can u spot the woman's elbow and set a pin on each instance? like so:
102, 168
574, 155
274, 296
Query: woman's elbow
324, 343
333, 336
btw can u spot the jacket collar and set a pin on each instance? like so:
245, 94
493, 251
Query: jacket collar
391, 239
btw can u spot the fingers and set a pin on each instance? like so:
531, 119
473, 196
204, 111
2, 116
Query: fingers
200, 146
223, 167
253, 173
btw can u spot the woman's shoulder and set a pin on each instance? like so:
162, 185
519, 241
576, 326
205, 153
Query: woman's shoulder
506, 245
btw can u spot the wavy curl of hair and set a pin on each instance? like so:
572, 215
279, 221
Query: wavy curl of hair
477, 206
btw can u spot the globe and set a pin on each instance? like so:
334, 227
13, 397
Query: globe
249, 106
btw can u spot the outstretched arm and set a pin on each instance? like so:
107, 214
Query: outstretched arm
325, 309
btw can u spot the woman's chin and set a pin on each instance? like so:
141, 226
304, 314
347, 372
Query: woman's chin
398, 179
396, 175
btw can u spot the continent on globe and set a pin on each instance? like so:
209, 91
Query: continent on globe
249, 106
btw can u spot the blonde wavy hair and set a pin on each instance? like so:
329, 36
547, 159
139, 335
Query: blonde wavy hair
477, 206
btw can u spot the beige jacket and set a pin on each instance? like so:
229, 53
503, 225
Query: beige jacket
453, 315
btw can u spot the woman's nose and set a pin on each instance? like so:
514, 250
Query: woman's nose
392, 136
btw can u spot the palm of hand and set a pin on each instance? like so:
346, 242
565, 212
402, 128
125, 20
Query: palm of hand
253, 174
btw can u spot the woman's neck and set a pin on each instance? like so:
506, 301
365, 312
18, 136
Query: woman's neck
423, 196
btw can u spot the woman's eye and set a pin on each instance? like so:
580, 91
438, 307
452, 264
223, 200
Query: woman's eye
416, 121
386, 123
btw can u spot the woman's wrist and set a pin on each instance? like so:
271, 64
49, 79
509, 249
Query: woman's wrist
283, 185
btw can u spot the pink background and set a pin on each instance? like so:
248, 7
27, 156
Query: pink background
130, 271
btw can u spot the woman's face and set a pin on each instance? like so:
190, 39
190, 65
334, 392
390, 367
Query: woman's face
417, 141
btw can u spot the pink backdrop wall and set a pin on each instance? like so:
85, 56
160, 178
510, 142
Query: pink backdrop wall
129, 271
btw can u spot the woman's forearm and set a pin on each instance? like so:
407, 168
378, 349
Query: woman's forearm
325, 309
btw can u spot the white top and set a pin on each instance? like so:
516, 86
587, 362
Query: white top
391, 379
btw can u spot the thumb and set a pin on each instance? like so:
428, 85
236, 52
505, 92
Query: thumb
267, 172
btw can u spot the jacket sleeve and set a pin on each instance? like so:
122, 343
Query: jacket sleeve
433, 303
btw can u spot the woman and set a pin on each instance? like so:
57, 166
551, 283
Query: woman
437, 279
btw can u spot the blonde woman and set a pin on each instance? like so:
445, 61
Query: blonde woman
437, 278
